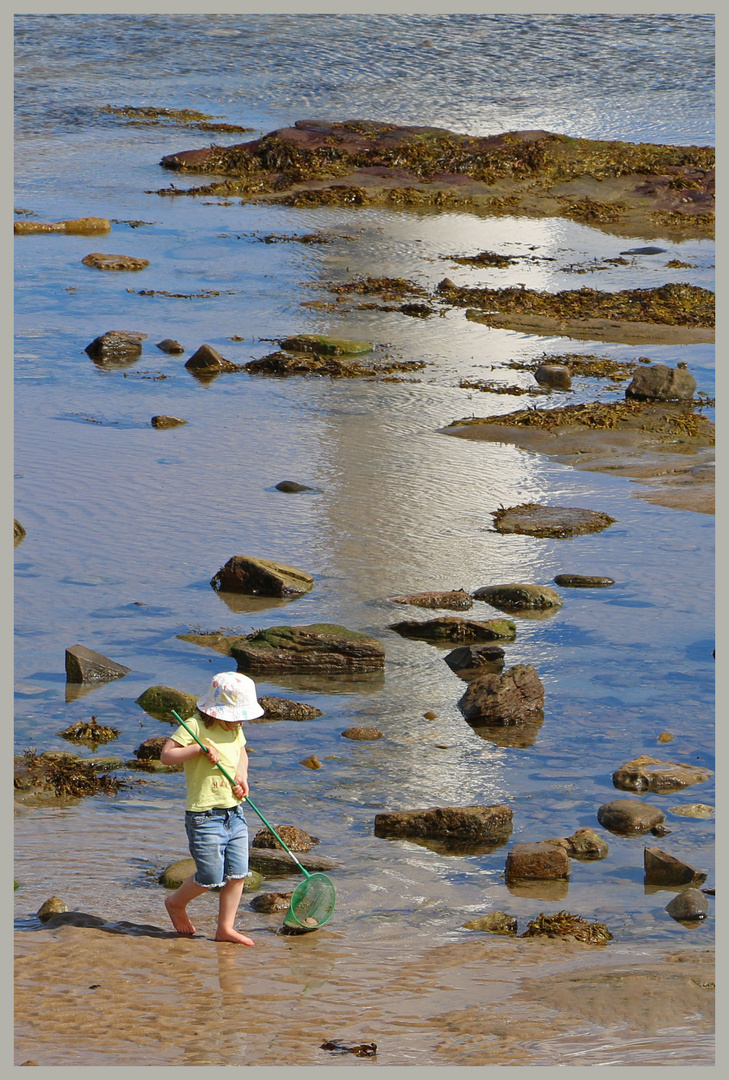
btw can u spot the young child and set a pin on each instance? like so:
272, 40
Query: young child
216, 828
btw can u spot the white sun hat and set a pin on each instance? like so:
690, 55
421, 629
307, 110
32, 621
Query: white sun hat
232, 697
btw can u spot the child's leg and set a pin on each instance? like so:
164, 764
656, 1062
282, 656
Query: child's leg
177, 903
230, 896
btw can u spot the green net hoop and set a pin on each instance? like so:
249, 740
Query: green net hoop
312, 903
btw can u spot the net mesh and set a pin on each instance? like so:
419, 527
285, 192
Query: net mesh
312, 903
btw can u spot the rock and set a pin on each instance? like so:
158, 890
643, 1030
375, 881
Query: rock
169, 345
159, 701
543, 861
73, 225
274, 863
311, 762
497, 922
530, 519
564, 924
649, 774
689, 906
660, 830
585, 844
430, 715
208, 360
665, 737
167, 421
451, 628
173, 875
358, 1049
362, 734
277, 708
475, 658
456, 600
292, 486
629, 817
692, 810
114, 262
270, 902
294, 838
151, 749
553, 375
580, 581
661, 383
120, 345
515, 697
518, 597
518, 736
320, 345
491, 823
664, 869
418, 311
320, 647
84, 666
261, 577
53, 906
18, 531
644, 251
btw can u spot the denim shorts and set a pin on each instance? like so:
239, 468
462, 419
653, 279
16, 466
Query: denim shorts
218, 841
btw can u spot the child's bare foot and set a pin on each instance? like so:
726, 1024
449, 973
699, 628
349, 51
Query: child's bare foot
179, 916
233, 935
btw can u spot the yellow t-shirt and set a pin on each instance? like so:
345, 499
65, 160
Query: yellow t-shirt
206, 785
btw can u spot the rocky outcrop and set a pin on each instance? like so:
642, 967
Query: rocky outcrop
666, 870
689, 906
86, 666
278, 708
294, 838
582, 581
74, 225
649, 774
455, 600
159, 701
120, 346
451, 628
362, 734
261, 577
320, 647
114, 262
559, 522
540, 862
491, 823
629, 817
661, 383
519, 597
516, 697
167, 421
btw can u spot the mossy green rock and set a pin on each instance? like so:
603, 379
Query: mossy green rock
320, 647
516, 597
452, 628
159, 701
321, 345
177, 872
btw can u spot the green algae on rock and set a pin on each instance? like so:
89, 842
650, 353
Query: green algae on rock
321, 345
159, 701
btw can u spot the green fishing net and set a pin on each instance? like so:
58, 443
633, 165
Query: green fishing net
312, 903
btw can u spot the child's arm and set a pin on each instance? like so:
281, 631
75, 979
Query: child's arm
175, 754
241, 788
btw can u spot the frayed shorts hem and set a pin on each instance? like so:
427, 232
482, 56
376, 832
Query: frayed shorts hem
219, 884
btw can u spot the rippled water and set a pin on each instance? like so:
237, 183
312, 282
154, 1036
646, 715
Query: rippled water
127, 524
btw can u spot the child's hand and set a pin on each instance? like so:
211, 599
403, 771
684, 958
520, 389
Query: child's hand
241, 789
213, 755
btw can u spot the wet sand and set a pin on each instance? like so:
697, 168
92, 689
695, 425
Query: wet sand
88, 997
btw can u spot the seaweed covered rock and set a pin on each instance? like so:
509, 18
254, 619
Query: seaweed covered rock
496, 922
452, 628
661, 383
90, 732
516, 697
519, 597
320, 647
53, 775
261, 577
564, 924
159, 701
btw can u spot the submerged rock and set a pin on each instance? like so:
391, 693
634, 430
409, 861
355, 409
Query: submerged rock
72, 225
320, 345
292, 486
581, 581
629, 817
338, 1046
689, 906
661, 383
543, 861
649, 774
362, 734
515, 697
471, 660
519, 597
531, 519
692, 810
181, 869
261, 577
114, 262
167, 421
320, 647
456, 600
664, 869
492, 823
159, 701
451, 628
84, 666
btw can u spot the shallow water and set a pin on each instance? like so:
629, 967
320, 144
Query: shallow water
127, 524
